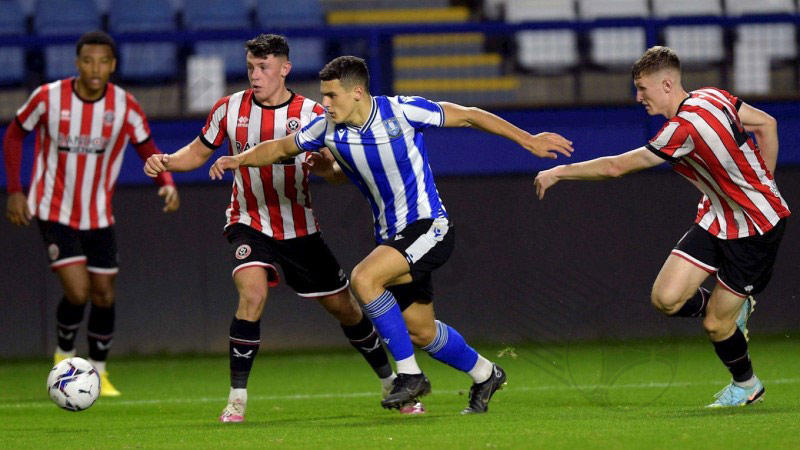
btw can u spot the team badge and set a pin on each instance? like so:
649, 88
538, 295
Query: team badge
292, 125
243, 251
52, 252
392, 127
108, 117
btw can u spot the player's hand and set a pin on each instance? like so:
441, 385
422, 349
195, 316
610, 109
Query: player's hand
546, 145
17, 209
321, 164
221, 165
171, 199
545, 180
156, 164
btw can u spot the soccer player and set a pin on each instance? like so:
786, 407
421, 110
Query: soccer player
270, 220
740, 219
82, 125
377, 142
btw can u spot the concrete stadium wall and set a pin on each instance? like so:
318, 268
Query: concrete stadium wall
578, 265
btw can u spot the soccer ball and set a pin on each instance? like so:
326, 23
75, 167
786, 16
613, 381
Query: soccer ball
73, 384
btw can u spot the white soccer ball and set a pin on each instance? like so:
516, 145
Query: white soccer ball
73, 384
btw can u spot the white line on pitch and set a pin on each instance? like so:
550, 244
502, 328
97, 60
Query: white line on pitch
555, 387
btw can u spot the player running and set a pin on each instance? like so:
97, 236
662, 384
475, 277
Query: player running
270, 220
740, 219
377, 142
82, 126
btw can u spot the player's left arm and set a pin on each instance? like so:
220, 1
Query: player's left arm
765, 128
598, 169
263, 154
543, 145
167, 187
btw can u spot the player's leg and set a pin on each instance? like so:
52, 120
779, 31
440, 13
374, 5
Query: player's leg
101, 253
677, 290
253, 273
68, 261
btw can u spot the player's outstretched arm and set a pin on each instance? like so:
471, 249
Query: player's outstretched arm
597, 169
765, 128
323, 164
263, 154
187, 158
543, 145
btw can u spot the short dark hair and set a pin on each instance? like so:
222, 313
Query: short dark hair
96, 38
264, 45
349, 70
655, 59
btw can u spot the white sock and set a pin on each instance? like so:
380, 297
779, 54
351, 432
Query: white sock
60, 351
238, 393
408, 365
482, 370
387, 382
100, 366
747, 384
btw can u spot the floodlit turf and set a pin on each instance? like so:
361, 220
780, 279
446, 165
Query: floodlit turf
646, 394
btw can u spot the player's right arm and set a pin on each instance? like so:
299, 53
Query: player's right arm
263, 154
17, 210
189, 157
765, 128
598, 169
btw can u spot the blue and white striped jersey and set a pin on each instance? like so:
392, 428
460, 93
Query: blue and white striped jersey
386, 159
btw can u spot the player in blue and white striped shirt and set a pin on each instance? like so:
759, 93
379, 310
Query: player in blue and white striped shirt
377, 143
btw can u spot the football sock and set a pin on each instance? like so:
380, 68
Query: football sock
245, 338
68, 319
237, 393
388, 320
733, 353
450, 348
482, 370
100, 331
695, 306
364, 337
100, 366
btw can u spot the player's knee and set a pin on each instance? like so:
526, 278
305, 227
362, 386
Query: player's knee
717, 327
344, 309
77, 296
102, 296
421, 335
361, 280
664, 301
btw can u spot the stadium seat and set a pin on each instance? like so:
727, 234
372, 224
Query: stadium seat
545, 50
618, 46
59, 17
743, 7
59, 61
12, 22
693, 43
147, 61
777, 40
231, 52
219, 15
288, 14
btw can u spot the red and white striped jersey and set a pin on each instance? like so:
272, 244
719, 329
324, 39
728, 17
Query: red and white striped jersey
272, 199
707, 144
79, 151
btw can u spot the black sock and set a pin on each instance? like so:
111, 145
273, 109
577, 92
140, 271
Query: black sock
733, 353
101, 331
695, 306
68, 319
244, 341
366, 340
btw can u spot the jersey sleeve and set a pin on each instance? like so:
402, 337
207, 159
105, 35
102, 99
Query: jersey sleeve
312, 136
421, 112
673, 141
136, 121
213, 133
33, 110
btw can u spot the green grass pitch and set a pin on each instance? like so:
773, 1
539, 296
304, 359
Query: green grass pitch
640, 394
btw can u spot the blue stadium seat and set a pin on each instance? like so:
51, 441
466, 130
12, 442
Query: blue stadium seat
59, 61
53, 17
231, 52
217, 15
307, 56
12, 22
289, 14
147, 61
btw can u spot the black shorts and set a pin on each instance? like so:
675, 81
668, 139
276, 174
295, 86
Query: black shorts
426, 244
65, 245
743, 266
307, 262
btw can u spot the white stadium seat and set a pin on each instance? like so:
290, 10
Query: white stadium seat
618, 46
546, 50
694, 43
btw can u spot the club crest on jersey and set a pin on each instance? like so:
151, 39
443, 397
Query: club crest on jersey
292, 125
242, 122
392, 127
108, 117
52, 252
243, 251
